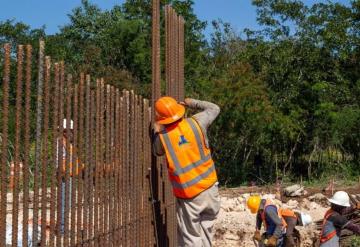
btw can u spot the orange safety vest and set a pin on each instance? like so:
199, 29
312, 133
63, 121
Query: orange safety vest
281, 213
330, 232
78, 167
285, 212
190, 165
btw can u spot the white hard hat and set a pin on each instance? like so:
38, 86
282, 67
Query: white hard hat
71, 124
305, 219
340, 198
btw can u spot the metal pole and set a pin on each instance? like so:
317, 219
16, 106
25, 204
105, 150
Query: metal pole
35, 237
26, 168
16, 175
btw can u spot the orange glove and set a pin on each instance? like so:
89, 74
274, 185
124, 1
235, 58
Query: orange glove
257, 236
271, 242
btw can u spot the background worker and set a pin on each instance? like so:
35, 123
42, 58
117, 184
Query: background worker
279, 223
62, 143
66, 142
335, 220
191, 169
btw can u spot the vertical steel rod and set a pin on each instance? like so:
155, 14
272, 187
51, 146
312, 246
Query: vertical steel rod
75, 168
16, 175
156, 70
35, 237
26, 167
44, 158
81, 150
4, 148
68, 154
55, 119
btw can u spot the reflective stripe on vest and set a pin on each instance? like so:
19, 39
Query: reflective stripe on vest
328, 230
191, 168
279, 212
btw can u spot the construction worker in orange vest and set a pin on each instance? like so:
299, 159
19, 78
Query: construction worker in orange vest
190, 165
279, 223
335, 220
66, 142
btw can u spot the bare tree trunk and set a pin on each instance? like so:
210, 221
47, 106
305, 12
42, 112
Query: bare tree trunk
291, 154
276, 167
311, 157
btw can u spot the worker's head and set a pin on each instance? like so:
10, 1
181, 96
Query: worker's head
168, 110
303, 219
253, 203
340, 198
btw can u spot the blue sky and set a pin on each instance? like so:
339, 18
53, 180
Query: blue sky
53, 13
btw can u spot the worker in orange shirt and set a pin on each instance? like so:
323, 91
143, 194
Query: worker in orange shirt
191, 168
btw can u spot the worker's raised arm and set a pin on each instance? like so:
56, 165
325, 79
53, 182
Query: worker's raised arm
209, 111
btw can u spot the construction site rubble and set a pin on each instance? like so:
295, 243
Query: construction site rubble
295, 191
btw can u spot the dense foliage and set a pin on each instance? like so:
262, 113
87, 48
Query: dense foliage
289, 94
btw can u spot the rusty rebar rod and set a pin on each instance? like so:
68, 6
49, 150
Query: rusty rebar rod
68, 153
181, 60
112, 173
122, 168
26, 167
16, 164
4, 142
75, 168
44, 158
81, 149
106, 164
116, 167
59, 157
176, 55
102, 162
37, 163
53, 171
87, 159
97, 162
167, 48
156, 69
92, 164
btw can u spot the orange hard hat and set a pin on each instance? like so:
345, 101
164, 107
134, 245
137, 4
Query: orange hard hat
253, 203
168, 110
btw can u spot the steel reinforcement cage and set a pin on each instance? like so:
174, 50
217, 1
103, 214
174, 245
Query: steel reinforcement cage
90, 180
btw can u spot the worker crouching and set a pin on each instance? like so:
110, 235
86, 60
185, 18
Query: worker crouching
279, 223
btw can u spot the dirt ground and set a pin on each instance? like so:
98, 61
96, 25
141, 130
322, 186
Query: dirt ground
235, 224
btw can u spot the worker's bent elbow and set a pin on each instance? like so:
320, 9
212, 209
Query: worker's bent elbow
215, 110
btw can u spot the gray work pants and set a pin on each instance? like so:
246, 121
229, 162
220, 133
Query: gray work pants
196, 218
